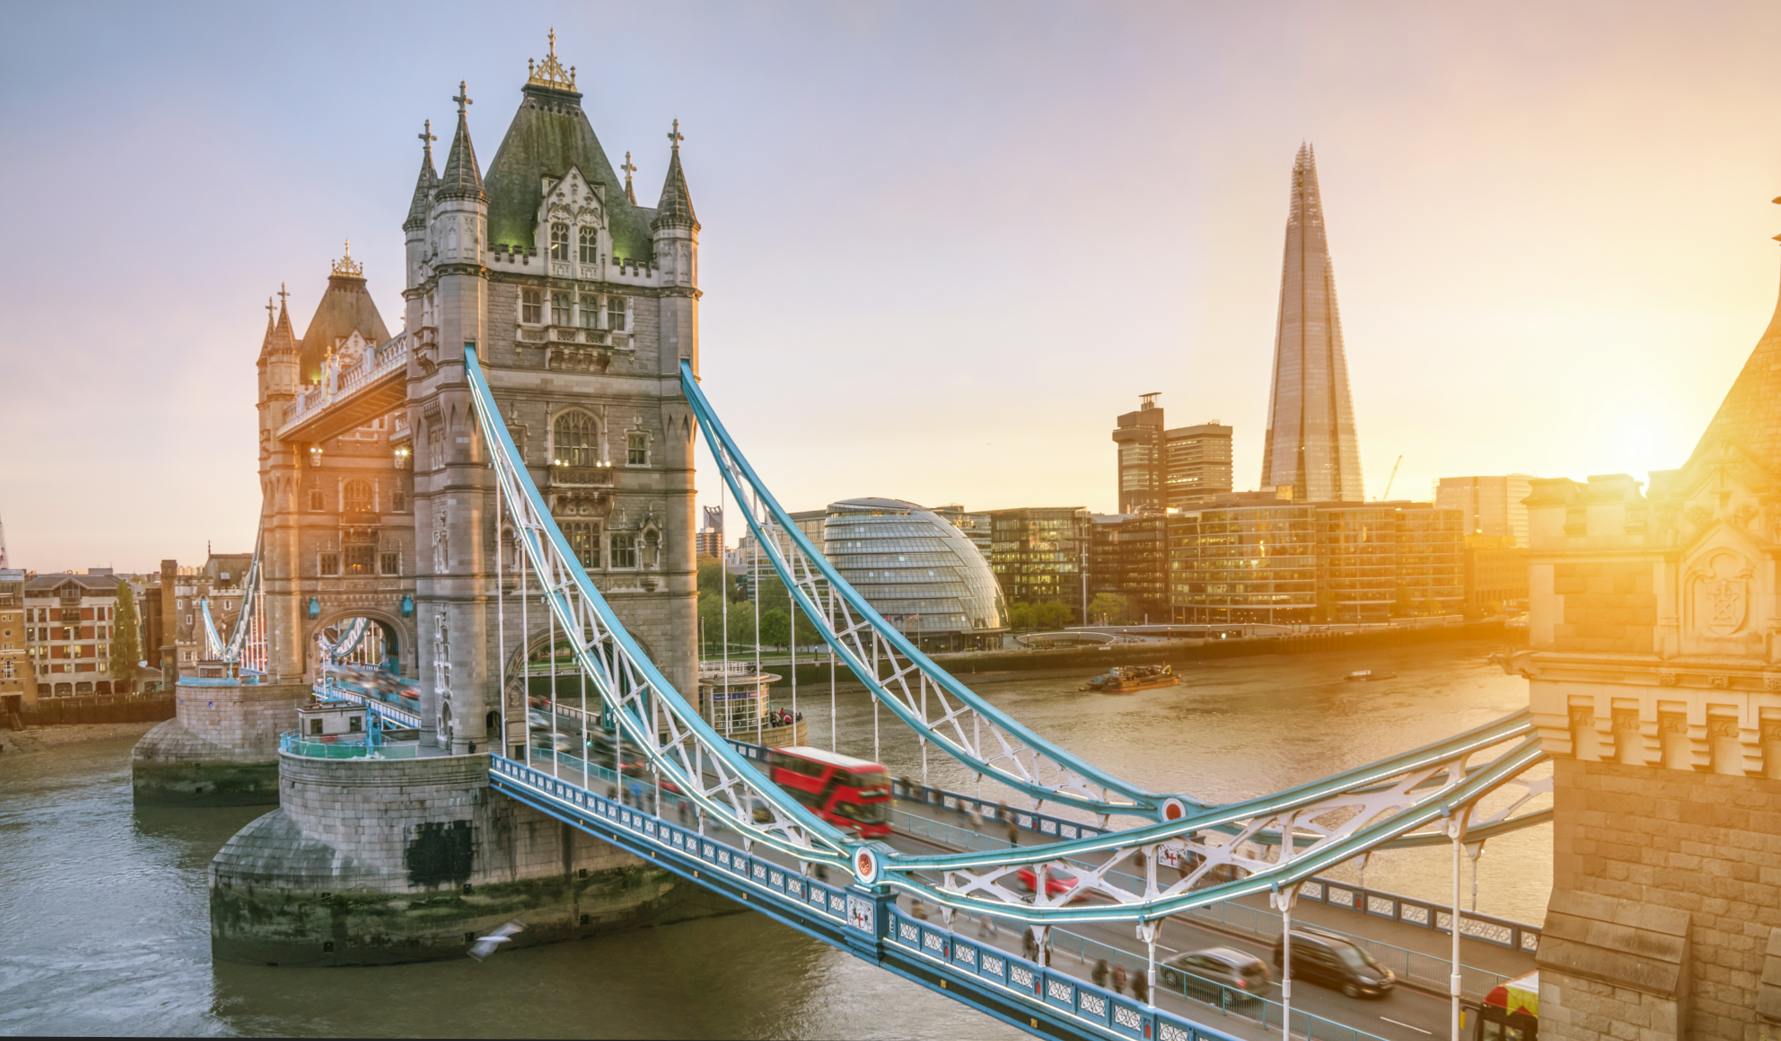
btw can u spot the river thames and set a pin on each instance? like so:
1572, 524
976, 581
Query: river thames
106, 921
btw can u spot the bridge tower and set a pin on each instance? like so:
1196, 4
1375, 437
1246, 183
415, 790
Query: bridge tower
580, 305
1655, 682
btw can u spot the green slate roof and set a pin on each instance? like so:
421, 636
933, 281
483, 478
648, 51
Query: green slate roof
461, 177
676, 208
345, 307
549, 134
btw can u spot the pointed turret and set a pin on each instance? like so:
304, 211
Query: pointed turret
629, 168
284, 338
676, 208
266, 340
425, 184
1749, 417
462, 178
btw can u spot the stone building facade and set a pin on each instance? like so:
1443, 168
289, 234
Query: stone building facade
1655, 682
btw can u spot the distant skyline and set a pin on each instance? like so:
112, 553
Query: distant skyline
956, 240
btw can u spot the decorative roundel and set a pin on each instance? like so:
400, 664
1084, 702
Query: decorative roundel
1174, 809
865, 866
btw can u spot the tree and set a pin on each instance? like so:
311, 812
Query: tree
1047, 614
776, 627
1110, 609
126, 643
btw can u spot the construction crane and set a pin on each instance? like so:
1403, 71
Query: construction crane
1392, 478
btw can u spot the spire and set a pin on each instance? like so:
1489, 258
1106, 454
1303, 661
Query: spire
424, 184
283, 340
676, 208
346, 266
629, 168
1311, 446
462, 178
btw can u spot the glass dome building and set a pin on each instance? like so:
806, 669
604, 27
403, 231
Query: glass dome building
918, 570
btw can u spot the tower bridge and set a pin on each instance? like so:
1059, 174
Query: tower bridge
515, 470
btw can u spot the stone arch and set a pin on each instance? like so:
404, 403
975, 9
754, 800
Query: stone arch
400, 639
574, 437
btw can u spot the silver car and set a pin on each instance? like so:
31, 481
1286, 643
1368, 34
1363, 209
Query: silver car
1213, 973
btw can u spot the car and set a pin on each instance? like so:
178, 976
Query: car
1057, 881
1335, 961
1215, 972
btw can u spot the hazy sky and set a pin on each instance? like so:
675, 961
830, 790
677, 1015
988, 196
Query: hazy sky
944, 244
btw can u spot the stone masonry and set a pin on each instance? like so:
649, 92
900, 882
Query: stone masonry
221, 747
1654, 675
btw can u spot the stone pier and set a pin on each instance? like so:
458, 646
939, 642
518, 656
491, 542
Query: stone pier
221, 747
372, 861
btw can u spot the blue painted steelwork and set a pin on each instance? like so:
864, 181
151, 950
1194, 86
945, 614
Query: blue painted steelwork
857, 918
628, 680
745, 483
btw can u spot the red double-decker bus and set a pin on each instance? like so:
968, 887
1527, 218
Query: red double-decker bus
848, 792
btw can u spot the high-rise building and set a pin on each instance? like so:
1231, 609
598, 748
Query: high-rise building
710, 540
1255, 560
1162, 468
1139, 435
1128, 556
1495, 506
1197, 464
1311, 446
1038, 553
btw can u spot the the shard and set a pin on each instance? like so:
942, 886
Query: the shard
1311, 446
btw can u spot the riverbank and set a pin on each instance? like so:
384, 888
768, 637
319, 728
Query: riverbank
38, 739
1179, 653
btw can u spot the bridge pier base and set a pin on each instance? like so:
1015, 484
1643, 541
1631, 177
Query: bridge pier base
221, 747
393, 860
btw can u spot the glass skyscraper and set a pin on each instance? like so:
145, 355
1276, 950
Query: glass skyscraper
1311, 446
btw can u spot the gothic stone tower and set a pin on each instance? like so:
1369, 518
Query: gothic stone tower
581, 305
1655, 681
1311, 445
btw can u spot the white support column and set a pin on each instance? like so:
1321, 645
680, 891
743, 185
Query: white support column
755, 588
791, 607
1283, 903
525, 644
556, 757
723, 564
1147, 932
1456, 830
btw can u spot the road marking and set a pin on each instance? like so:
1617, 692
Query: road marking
1406, 1026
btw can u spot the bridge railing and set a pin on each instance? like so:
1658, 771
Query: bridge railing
293, 743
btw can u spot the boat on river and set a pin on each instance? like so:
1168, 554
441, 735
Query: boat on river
1129, 679
1368, 675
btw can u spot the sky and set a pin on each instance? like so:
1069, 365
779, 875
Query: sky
944, 244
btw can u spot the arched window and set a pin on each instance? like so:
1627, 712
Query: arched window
356, 497
575, 440
636, 448
559, 241
590, 244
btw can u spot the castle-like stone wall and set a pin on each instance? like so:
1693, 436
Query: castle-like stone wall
221, 747
1695, 854
388, 860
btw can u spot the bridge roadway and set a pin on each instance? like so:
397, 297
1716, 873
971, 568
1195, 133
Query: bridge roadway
1414, 1011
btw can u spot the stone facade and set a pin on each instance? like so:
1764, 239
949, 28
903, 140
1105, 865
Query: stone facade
386, 860
221, 747
1655, 684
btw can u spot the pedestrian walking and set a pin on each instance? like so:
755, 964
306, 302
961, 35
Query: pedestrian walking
1119, 978
1099, 976
1029, 947
1013, 834
1141, 987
